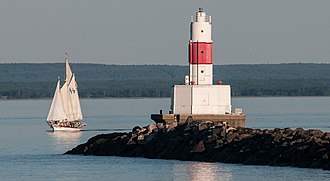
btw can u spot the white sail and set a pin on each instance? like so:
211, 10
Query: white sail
68, 72
76, 109
56, 111
66, 101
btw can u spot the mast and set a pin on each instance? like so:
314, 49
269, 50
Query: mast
65, 94
70, 96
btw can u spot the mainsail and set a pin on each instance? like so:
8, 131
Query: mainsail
66, 99
56, 111
74, 97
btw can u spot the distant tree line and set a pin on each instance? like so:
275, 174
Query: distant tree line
24, 81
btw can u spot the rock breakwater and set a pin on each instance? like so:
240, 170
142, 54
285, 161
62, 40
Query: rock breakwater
218, 142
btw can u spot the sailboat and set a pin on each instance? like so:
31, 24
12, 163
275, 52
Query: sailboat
65, 111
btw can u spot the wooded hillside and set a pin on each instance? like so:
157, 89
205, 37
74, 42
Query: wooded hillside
97, 80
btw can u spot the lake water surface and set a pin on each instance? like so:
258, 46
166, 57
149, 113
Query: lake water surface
30, 151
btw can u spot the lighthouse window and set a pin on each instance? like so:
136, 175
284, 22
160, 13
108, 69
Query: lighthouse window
202, 31
202, 51
202, 71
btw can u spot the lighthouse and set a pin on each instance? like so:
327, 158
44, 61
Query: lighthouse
199, 95
198, 99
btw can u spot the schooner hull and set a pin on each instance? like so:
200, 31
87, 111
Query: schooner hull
57, 127
66, 129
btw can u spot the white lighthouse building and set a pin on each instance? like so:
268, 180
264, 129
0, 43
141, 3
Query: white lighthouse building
198, 99
200, 49
199, 95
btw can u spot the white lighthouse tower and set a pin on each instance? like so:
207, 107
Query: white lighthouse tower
198, 98
200, 49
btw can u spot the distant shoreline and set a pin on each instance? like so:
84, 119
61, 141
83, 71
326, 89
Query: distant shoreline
23, 99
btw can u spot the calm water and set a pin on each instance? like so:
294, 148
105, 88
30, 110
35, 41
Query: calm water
29, 151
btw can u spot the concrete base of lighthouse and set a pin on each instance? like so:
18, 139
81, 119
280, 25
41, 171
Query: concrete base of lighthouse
201, 103
234, 120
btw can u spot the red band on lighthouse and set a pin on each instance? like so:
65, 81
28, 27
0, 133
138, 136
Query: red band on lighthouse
200, 52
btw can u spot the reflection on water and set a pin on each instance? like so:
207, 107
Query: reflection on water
63, 140
197, 171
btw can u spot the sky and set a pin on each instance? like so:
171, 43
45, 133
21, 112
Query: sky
157, 32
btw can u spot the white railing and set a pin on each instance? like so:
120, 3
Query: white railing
201, 19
